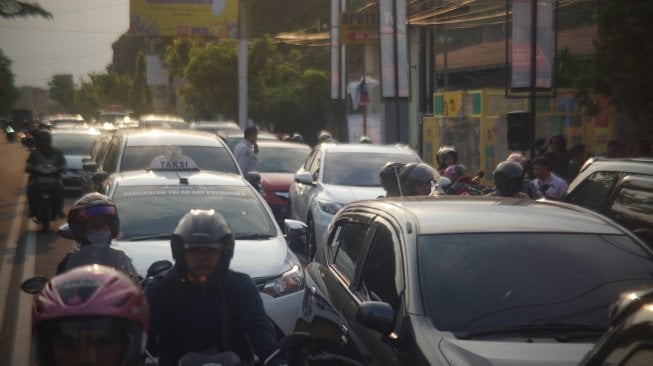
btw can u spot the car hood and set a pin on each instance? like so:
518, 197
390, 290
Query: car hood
513, 351
277, 180
257, 258
75, 161
346, 194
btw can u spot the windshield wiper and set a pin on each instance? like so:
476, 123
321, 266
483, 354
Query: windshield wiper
253, 236
535, 328
151, 237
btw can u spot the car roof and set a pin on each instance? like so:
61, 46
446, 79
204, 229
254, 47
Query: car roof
171, 177
367, 148
283, 144
642, 165
170, 137
442, 215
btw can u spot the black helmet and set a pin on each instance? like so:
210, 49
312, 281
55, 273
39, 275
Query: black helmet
389, 176
203, 228
324, 136
43, 136
442, 154
508, 177
297, 138
89, 206
413, 174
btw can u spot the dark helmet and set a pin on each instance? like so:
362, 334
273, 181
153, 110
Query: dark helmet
389, 176
508, 177
203, 228
297, 137
89, 206
413, 174
91, 302
324, 136
43, 137
442, 154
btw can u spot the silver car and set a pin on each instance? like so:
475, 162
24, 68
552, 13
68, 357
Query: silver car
76, 146
336, 174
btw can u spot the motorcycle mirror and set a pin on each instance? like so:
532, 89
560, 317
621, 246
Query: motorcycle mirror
65, 232
34, 285
158, 267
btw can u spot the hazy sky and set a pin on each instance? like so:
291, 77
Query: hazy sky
77, 40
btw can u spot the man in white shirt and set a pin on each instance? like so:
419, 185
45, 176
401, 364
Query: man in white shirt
550, 185
246, 151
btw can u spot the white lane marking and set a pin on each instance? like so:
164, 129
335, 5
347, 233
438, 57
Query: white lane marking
20, 350
10, 254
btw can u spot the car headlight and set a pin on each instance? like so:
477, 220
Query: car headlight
289, 282
329, 207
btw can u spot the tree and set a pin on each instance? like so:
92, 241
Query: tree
62, 90
125, 51
21, 9
140, 98
8, 92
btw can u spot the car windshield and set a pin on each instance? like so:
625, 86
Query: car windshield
280, 159
363, 171
156, 210
214, 158
73, 144
472, 282
175, 125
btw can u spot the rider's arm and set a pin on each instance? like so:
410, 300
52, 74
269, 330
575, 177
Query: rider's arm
251, 314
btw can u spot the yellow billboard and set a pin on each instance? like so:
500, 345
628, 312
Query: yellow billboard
184, 18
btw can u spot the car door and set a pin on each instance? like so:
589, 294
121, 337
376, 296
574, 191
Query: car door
379, 278
632, 205
300, 194
328, 284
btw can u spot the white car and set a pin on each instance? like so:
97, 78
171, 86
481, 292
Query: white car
336, 174
76, 146
151, 203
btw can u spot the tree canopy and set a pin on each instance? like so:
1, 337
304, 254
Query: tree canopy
8, 92
21, 9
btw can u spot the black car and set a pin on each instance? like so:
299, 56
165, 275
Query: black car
621, 189
466, 281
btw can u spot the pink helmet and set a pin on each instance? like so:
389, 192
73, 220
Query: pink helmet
95, 300
453, 172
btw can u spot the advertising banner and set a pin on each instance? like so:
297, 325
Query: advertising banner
184, 18
521, 44
359, 28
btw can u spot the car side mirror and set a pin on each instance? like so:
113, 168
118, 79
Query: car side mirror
158, 267
304, 178
376, 315
34, 285
65, 232
296, 232
89, 166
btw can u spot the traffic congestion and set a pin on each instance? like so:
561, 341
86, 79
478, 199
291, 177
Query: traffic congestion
465, 183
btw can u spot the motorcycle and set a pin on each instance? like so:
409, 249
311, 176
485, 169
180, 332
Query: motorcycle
46, 177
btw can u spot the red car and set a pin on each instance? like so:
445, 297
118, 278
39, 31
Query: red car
277, 163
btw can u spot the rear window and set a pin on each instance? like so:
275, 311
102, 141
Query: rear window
212, 158
342, 168
480, 281
73, 144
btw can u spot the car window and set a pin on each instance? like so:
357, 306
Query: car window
314, 165
153, 210
345, 248
280, 160
493, 280
111, 160
341, 169
212, 158
633, 208
379, 271
594, 191
73, 144
633, 353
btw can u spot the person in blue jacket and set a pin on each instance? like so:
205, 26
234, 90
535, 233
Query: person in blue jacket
202, 306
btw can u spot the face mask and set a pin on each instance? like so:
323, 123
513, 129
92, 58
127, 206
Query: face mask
99, 237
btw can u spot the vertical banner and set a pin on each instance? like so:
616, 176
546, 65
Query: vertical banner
337, 52
393, 48
521, 44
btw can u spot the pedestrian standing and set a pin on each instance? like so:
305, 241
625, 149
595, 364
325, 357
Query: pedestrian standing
550, 185
247, 150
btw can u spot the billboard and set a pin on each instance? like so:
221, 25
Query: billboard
359, 28
184, 18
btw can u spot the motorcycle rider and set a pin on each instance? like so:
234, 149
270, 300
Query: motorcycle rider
389, 177
94, 221
445, 157
45, 154
200, 305
508, 177
528, 186
92, 315
417, 179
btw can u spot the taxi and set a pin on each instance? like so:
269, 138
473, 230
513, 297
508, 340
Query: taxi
150, 204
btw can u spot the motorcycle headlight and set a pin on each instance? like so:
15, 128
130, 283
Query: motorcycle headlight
289, 282
329, 207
